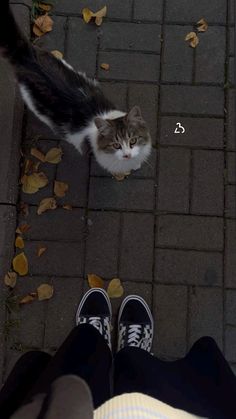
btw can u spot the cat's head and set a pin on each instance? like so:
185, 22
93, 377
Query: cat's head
124, 137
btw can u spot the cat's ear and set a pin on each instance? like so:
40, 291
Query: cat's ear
104, 126
134, 117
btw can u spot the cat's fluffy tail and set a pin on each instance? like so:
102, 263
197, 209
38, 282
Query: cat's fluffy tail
13, 44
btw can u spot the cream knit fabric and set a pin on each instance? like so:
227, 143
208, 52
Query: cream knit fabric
138, 406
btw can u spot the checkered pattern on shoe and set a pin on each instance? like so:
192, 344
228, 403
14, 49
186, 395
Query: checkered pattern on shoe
138, 335
102, 324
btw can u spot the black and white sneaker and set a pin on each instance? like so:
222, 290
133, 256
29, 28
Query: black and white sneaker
135, 324
95, 309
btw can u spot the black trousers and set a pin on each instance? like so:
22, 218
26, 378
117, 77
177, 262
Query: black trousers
201, 383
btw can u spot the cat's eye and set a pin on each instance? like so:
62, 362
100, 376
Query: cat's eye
133, 141
117, 146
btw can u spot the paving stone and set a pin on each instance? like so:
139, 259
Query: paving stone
231, 70
62, 309
230, 260
199, 132
74, 170
231, 141
170, 317
136, 247
55, 225
7, 236
188, 267
231, 41
129, 194
231, 11
201, 100
81, 46
22, 16
102, 243
230, 307
138, 36
146, 97
60, 259
190, 232
36, 130
230, 204
206, 314
208, 182
214, 11
230, 343
231, 167
177, 66
120, 10
143, 67
173, 186
12, 356
116, 93
210, 56
55, 40
152, 12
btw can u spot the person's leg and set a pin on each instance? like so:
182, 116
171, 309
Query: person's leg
21, 379
86, 352
201, 383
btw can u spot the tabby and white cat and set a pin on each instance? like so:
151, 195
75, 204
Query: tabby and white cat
72, 104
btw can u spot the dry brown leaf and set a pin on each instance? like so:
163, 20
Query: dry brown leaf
10, 279
87, 14
67, 207
42, 25
105, 66
40, 251
115, 289
45, 292
193, 38
46, 204
24, 209
20, 264
203, 25
95, 281
38, 154
60, 188
32, 183
19, 242
99, 15
45, 7
29, 298
57, 54
54, 155
23, 228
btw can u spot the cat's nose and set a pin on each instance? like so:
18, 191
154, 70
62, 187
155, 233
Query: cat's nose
127, 156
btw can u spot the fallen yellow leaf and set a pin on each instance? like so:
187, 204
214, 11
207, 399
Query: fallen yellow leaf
45, 7
60, 188
203, 25
19, 242
57, 54
54, 155
29, 298
115, 289
67, 207
40, 251
38, 154
10, 279
46, 204
45, 292
20, 264
42, 25
193, 38
105, 66
99, 15
87, 14
23, 228
32, 183
95, 281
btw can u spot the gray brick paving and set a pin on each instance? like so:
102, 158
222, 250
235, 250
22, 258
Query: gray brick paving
174, 203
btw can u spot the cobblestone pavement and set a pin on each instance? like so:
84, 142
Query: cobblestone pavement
169, 230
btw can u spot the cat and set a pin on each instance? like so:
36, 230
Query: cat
72, 104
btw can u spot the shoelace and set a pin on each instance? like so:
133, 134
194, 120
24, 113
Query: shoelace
134, 333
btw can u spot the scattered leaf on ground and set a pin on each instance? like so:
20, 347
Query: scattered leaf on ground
32, 183
115, 289
20, 264
24, 209
99, 15
95, 281
54, 155
45, 292
67, 207
10, 279
29, 298
19, 242
42, 25
105, 66
38, 154
46, 204
202, 25
60, 188
23, 228
57, 54
45, 7
193, 38
40, 251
